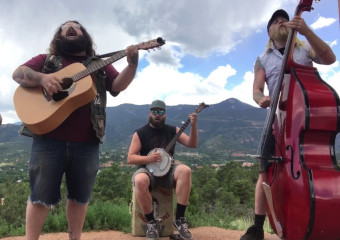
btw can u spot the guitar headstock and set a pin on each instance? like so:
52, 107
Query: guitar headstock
201, 107
151, 44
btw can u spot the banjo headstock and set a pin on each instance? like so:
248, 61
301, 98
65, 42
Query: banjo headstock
200, 107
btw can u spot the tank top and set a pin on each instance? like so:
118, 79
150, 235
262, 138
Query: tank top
271, 61
156, 138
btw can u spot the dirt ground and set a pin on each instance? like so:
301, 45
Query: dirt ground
201, 233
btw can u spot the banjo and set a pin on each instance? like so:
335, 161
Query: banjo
159, 169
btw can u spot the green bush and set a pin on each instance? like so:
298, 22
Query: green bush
108, 216
221, 197
55, 222
4, 227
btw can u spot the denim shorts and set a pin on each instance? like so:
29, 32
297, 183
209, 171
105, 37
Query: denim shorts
166, 181
51, 159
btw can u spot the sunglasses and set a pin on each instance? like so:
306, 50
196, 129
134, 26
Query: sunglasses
160, 112
67, 25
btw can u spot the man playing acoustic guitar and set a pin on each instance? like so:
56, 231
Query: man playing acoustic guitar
73, 147
146, 144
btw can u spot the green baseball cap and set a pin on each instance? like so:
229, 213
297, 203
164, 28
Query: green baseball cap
157, 104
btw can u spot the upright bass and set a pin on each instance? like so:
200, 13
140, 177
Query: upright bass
302, 184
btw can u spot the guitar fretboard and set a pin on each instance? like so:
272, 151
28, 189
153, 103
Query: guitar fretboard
98, 65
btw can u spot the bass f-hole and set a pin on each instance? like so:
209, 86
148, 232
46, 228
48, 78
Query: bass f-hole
297, 176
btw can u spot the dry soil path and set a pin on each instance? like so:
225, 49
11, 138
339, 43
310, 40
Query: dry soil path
201, 233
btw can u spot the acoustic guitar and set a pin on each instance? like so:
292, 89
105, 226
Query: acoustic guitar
42, 113
161, 168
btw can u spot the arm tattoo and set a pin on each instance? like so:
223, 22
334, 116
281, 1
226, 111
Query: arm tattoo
29, 74
134, 59
258, 65
25, 76
19, 77
33, 76
258, 96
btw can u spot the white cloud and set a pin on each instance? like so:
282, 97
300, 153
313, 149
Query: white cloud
194, 29
175, 87
323, 22
244, 91
201, 27
334, 43
331, 74
9, 117
334, 81
327, 71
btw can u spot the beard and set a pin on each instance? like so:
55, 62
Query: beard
281, 34
158, 124
72, 46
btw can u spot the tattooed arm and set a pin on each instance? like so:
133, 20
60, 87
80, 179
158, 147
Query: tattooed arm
27, 77
124, 78
258, 85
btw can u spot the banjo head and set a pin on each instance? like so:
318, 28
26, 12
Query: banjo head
159, 169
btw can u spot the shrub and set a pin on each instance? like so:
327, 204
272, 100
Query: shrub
105, 216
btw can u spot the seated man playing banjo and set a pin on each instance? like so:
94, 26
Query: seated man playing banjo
147, 151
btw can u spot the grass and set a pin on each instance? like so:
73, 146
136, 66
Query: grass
110, 216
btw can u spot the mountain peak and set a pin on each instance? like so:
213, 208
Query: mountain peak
232, 104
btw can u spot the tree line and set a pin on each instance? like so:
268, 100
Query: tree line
219, 197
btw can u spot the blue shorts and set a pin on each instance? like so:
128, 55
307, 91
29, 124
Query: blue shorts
51, 159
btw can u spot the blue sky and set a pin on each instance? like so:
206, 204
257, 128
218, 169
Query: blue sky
209, 53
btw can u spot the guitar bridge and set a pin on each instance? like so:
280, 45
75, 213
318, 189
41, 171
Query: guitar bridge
47, 97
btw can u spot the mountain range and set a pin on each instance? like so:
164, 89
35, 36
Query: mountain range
228, 127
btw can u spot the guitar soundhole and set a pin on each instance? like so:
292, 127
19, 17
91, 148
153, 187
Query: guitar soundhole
66, 84
60, 95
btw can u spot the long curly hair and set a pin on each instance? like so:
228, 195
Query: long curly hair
53, 50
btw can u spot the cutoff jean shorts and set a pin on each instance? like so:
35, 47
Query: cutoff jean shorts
51, 159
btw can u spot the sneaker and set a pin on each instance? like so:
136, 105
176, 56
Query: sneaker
253, 233
182, 227
152, 230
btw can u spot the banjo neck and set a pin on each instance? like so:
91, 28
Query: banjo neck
175, 138
200, 107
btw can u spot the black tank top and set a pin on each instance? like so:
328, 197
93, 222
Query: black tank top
156, 138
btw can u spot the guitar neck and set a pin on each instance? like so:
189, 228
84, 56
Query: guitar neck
175, 138
116, 56
98, 65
